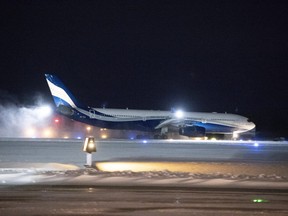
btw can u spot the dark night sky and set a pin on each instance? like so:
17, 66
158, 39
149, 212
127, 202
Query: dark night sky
199, 55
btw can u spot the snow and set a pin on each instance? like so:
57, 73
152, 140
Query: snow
68, 174
227, 165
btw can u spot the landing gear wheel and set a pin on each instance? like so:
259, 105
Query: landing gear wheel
160, 136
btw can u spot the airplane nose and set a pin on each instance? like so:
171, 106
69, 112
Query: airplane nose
252, 125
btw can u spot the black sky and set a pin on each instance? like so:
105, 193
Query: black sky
199, 55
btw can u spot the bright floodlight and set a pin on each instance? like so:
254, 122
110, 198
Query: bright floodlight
179, 114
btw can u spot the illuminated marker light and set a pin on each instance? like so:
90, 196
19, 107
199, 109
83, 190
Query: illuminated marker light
256, 144
259, 200
91, 145
144, 141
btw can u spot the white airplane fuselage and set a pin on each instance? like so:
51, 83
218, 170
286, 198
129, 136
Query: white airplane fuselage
188, 123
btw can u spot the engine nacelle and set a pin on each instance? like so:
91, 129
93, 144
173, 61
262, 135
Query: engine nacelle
65, 110
192, 131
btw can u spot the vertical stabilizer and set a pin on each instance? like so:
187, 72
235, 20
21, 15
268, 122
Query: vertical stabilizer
61, 94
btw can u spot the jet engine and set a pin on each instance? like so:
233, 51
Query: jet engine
192, 131
65, 110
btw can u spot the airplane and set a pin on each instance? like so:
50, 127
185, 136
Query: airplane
190, 124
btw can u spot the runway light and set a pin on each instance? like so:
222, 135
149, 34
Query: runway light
47, 132
104, 136
259, 200
30, 132
256, 144
144, 141
89, 145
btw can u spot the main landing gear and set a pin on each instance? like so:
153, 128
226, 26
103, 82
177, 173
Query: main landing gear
163, 134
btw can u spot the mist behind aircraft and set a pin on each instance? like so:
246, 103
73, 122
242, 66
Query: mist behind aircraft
20, 120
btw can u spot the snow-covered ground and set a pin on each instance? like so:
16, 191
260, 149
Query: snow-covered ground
65, 174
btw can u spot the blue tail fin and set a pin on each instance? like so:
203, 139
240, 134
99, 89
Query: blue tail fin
61, 95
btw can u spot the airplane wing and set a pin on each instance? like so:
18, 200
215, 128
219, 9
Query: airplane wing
179, 122
170, 122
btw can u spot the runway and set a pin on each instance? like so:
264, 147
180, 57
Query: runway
70, 151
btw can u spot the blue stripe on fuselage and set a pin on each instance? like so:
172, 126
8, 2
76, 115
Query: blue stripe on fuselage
210, 127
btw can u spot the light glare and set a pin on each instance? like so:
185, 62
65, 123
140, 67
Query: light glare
43, 111
179, 114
